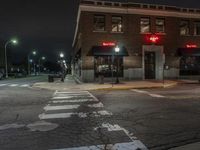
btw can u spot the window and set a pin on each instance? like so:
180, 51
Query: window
107, 65
99, 23
160, 25
190, 65
145, 25
184, 27
197, 28
117, 24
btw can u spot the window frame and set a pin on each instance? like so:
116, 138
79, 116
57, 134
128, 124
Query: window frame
95, 25
187, 29
149, 25
157, 25
117, 24
195, 29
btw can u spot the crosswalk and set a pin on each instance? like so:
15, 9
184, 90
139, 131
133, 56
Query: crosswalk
83, 105
67, 105
14, 85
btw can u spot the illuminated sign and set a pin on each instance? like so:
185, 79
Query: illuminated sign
109, 44
153, 38
191, 46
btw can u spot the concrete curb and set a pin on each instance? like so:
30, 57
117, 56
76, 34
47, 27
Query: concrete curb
93, 88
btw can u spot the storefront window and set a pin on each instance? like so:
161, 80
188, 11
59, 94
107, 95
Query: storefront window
99, 23
104, 65
145, 25
190, 65
184, 27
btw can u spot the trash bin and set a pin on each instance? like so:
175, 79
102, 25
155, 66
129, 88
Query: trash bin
50, 78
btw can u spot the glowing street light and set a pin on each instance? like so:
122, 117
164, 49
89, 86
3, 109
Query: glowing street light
42, 58
12, 41
34, 53
62, 55
117, 50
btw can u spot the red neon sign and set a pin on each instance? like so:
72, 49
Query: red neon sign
153, 38
108, 44
191, 46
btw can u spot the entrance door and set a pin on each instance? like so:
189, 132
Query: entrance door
150, 65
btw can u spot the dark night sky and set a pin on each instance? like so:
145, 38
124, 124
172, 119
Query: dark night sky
48, 25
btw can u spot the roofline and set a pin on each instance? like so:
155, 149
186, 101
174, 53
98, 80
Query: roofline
140, 10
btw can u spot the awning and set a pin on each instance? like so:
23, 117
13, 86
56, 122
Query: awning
107, 51
188, 52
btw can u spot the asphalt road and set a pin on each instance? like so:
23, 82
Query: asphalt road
160, 118
36, 119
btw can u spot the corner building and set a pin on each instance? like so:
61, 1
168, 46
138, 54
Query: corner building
155, 41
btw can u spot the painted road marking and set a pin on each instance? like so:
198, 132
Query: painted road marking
13, 85
3, 84
63, 107
150, 94
156, 95
140, 91
69, 97
69, 115
135, 145
73, 101
25, 85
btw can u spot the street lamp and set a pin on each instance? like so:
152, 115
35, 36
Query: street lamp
32, 53
117, 50
42, 58
62, 55
13, 41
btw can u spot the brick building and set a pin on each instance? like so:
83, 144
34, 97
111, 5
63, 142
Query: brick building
154, 41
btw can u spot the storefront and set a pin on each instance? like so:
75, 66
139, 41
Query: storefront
107, 62
189, 61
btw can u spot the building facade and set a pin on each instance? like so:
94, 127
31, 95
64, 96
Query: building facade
154, 41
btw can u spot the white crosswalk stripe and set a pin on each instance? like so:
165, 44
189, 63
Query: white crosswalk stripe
14, 85
3, 85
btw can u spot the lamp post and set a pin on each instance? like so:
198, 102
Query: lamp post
42, 58
6, 63
117, 50
62, 66
33, 53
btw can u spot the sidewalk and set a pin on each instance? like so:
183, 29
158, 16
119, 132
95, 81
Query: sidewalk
194, 146
71, 84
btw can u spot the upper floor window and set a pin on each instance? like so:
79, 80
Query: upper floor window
144, 25
117, 24
184, 27
197, 28
160, 25
99, 23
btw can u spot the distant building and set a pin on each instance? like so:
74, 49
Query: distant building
154, 41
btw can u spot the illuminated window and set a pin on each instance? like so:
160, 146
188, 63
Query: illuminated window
145, 25
184, 27
117, 24
99, 23
197, 28
160, 25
